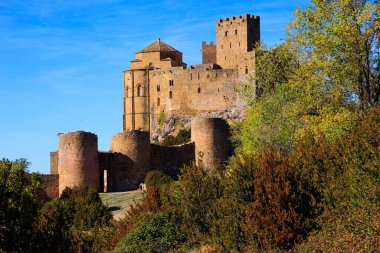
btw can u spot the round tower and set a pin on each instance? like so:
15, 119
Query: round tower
78, 162
134, 159
211, 138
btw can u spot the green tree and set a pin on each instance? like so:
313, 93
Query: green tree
325, 73
338, 44
153, 233
77, 221
19, 206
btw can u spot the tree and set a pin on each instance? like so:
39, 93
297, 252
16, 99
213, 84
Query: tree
77, 221
338, 43
321, 78
20, 203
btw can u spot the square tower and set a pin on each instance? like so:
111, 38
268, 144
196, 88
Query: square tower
235, 38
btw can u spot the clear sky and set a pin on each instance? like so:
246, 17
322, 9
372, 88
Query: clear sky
61, 61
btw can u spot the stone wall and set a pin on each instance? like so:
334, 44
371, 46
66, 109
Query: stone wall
171, 159
50, 186
208, 53
179, 95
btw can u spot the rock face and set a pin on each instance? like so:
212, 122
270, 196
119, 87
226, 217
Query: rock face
173, 123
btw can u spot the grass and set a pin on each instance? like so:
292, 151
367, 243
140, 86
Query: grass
120, 202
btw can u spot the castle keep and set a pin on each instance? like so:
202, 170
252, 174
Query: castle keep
157, 87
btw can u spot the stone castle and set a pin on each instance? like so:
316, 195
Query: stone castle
159, 86
160, 89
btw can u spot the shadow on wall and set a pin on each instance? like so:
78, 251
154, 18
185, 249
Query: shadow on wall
118, 173
170, 159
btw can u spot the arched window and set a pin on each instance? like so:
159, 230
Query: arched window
170, 94
199, 90
158, 88
139, 90
246, 70
158, 101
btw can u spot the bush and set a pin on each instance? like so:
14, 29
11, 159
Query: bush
154, 233
258, 210
182, 137
150, 204
198, 191
355, 230
156, 179
272, 219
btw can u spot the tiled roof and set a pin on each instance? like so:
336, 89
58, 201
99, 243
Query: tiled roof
158, 46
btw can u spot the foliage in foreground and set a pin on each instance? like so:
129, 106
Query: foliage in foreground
19, 205
273, 201
77, 221
155, 232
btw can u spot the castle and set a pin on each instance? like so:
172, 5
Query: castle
159, 85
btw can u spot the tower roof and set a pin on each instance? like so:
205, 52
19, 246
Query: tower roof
158, 46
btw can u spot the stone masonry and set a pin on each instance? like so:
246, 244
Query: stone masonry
162, 94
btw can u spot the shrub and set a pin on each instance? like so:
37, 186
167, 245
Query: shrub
238, 191
154, 233
271, 219
150, 204
182, 137
355, 230
156, 178
199, 189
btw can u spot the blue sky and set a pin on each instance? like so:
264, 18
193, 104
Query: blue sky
61, 61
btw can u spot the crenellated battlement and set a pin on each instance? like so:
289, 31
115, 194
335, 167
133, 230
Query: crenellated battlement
242, 17
211, 44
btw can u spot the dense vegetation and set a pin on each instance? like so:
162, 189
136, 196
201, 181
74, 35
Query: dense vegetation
305, 176
77, 221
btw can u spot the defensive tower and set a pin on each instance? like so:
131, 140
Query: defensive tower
235, 37
211, 138
78, 162
135, 147
208, 53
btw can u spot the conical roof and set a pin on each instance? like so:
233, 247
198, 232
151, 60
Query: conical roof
158, 46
